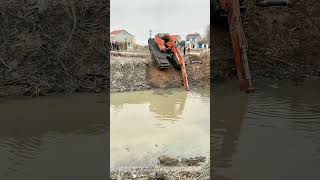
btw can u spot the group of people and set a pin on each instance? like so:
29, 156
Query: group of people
115, 46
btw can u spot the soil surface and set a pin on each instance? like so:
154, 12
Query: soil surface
283, 42
137, 71
56, 46
169, 168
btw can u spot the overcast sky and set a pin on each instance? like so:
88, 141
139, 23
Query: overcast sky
168, 16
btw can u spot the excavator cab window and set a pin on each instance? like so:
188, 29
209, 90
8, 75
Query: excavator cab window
166, 38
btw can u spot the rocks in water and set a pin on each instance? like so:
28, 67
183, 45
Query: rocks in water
193, 161
169, 168
167, 161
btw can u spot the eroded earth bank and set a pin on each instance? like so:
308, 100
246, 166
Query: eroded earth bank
283, 43
131, 71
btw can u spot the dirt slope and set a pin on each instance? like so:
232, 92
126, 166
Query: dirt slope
137, 72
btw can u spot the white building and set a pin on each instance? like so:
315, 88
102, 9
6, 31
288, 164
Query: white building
122, 36
194, 41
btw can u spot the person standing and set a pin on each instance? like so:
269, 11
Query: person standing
112, 46
117, 45
184, 50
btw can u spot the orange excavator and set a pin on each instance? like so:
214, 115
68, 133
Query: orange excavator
230, 11
164, 51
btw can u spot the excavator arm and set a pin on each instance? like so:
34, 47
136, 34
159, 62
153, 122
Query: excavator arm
182, 63
231, 9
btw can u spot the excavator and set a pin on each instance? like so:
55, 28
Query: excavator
228, 14
164, 51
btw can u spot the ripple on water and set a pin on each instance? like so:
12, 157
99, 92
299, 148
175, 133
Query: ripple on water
284, 108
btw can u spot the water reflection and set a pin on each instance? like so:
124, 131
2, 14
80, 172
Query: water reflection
164, 103
37, 136
149, 123
272, 134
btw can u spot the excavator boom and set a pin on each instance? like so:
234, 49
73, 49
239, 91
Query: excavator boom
182, 63
231, 10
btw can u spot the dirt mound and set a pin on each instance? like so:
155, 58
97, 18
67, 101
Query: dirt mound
285, 39
199, 69
128, 73
53, 46
136, 72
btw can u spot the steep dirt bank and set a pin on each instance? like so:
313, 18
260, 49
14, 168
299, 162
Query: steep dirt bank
136, 72
55, 46
283, 42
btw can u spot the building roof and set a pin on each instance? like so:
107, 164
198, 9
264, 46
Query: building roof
115, 32
193, 35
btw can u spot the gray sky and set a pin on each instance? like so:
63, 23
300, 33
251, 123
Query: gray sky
168, 16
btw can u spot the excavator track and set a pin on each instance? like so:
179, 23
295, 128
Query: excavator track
174, 61
159, 57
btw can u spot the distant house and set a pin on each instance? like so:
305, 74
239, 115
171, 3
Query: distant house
194, 41
122, 36
203, 44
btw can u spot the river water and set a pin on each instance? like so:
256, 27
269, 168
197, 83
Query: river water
147, 124
53, 138
271, 134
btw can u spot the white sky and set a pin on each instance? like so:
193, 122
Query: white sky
167, 16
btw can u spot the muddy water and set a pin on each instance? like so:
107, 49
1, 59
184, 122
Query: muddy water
272, 134
147, 124
53, 138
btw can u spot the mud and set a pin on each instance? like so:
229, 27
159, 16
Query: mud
283, 42
168, 169
50, 47
132, 71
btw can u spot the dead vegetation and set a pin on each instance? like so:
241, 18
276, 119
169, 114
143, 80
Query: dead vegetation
55, 46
